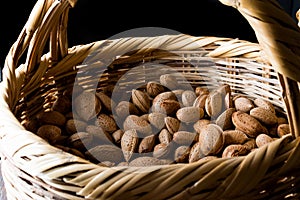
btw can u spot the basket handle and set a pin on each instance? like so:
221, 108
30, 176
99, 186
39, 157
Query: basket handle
279, 37
46, 23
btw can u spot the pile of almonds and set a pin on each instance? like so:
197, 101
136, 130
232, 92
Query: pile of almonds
160, 124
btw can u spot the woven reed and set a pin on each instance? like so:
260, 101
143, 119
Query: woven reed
33, 169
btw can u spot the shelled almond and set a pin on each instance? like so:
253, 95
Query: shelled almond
161, 123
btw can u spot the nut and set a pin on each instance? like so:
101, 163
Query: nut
259, 102
185, 137
74, 125
164, 136
98, 133
62, 104
243, 104
172, 124
124, 109
51, 118
87, 105
162, 151
157, 120
188, 97
106, 122
81, 140
50, 133
263, 139
117, 135
181, 154
107, 103
147, 144
190, 114
248, 124
199, 91
195, 153
234, 137
168, 107
283, 129
250, 144
214, 104
211, 139
141, 100
224, 120
234, 150
200, 124
129, 143
169, 81
200, 101
146, 161
263, 115
154, 88
139, 124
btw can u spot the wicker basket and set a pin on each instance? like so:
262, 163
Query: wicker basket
33, 169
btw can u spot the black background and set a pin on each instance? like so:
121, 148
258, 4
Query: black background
92, 20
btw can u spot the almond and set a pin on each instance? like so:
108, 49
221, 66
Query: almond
165, 136
200, 101
81, 140
129, 143
185, 137
117, 135
234, 150
190, 114
105, 152
262, 103
162, 151
169, 81
283, 129
139, 124
51, 118
147, 144
181, 154
98, 133
243, 104
199, 91
172, 124
188, 97
106, 101
62, 104
49, 133
234, 137
248, 124
263, 139
200, 124
106, 122
263, 115
124, 109
211, 139
146, 161
157, 120
154, 88
225, 119
87, 105
141, 100
72, 126
195, 153
214, 104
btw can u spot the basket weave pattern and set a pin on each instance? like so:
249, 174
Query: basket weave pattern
33, 169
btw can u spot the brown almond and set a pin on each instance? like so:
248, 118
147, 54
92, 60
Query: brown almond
211, 139
129, 143
234, 150
168, 107
181, 154
243, 104
188, 97
164, 136
259, 102
200, 101
201, 91
50, 133
52, 118
263, 139
147, 144
106, 101
250, 144
283, 129
225, 119
141, 100
99, 134
124, 109
200, 124
214, 104
190, 114
154, 88
81, 140
282, 120
87, 105
234, 137
228, 101
248, 124
106, 122
169, 81
162, 151
185, 137
157, 120
196, 153
139, 124
117, 135
62, 104
263, 115
172, 124
74, 125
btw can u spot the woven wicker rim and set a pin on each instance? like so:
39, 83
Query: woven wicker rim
66, 176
